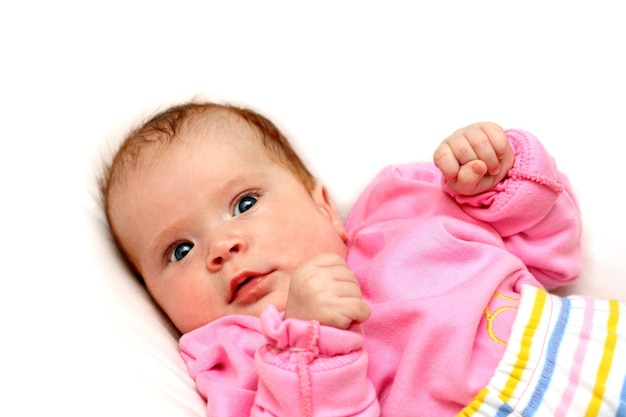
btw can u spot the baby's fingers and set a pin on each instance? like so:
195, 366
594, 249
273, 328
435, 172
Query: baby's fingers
348, 311
493, 145
470, 177
446, 161
479, 141
485, 141
361, 311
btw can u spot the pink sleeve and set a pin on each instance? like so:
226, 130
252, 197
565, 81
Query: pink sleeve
308, 369
296, 368
220, 359
535, 212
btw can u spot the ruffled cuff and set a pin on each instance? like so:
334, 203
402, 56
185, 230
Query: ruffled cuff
525, 196
299, 335
304, 368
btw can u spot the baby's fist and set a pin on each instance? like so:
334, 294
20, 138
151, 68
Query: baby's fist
324, 289
475, 158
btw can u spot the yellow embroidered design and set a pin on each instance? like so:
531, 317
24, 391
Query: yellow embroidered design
492, 316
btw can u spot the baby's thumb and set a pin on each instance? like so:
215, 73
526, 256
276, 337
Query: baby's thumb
471, 173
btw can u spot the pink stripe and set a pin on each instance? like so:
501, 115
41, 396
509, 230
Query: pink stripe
579, 356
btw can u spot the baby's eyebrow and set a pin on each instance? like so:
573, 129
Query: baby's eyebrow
246, 180
160, 240
236, 182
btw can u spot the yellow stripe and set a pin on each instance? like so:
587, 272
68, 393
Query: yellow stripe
607, 359
524, 351
473, 407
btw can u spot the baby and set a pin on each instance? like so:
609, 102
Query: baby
430, 300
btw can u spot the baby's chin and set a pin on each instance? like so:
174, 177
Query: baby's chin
277, 300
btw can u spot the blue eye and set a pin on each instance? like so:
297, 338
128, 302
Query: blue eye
180, 251
245, 204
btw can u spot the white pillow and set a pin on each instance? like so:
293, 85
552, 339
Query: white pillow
147, 375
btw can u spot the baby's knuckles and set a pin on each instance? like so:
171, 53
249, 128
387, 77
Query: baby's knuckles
324, 289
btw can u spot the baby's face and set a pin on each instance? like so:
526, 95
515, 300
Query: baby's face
216, 228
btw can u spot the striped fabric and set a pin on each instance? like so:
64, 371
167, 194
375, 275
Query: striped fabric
565, 357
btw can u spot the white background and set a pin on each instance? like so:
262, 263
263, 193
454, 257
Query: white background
355, 84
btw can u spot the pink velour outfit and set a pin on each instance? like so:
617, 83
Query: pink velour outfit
443, 275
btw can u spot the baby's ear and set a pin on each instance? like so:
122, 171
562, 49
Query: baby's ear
322, 199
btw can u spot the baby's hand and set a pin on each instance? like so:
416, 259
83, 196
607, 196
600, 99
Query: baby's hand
475, 158
324, 289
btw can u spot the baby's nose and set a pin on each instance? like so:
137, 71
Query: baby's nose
222, 252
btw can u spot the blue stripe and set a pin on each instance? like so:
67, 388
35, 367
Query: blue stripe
549, 362
504, 410
549, 365
621, 411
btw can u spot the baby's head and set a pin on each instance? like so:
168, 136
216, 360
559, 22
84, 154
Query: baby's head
214, 210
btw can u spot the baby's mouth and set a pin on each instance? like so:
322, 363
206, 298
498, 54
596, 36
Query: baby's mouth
245, 281
248, 287
239, 282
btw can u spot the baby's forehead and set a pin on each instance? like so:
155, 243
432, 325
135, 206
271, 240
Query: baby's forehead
233, 144
216, 125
